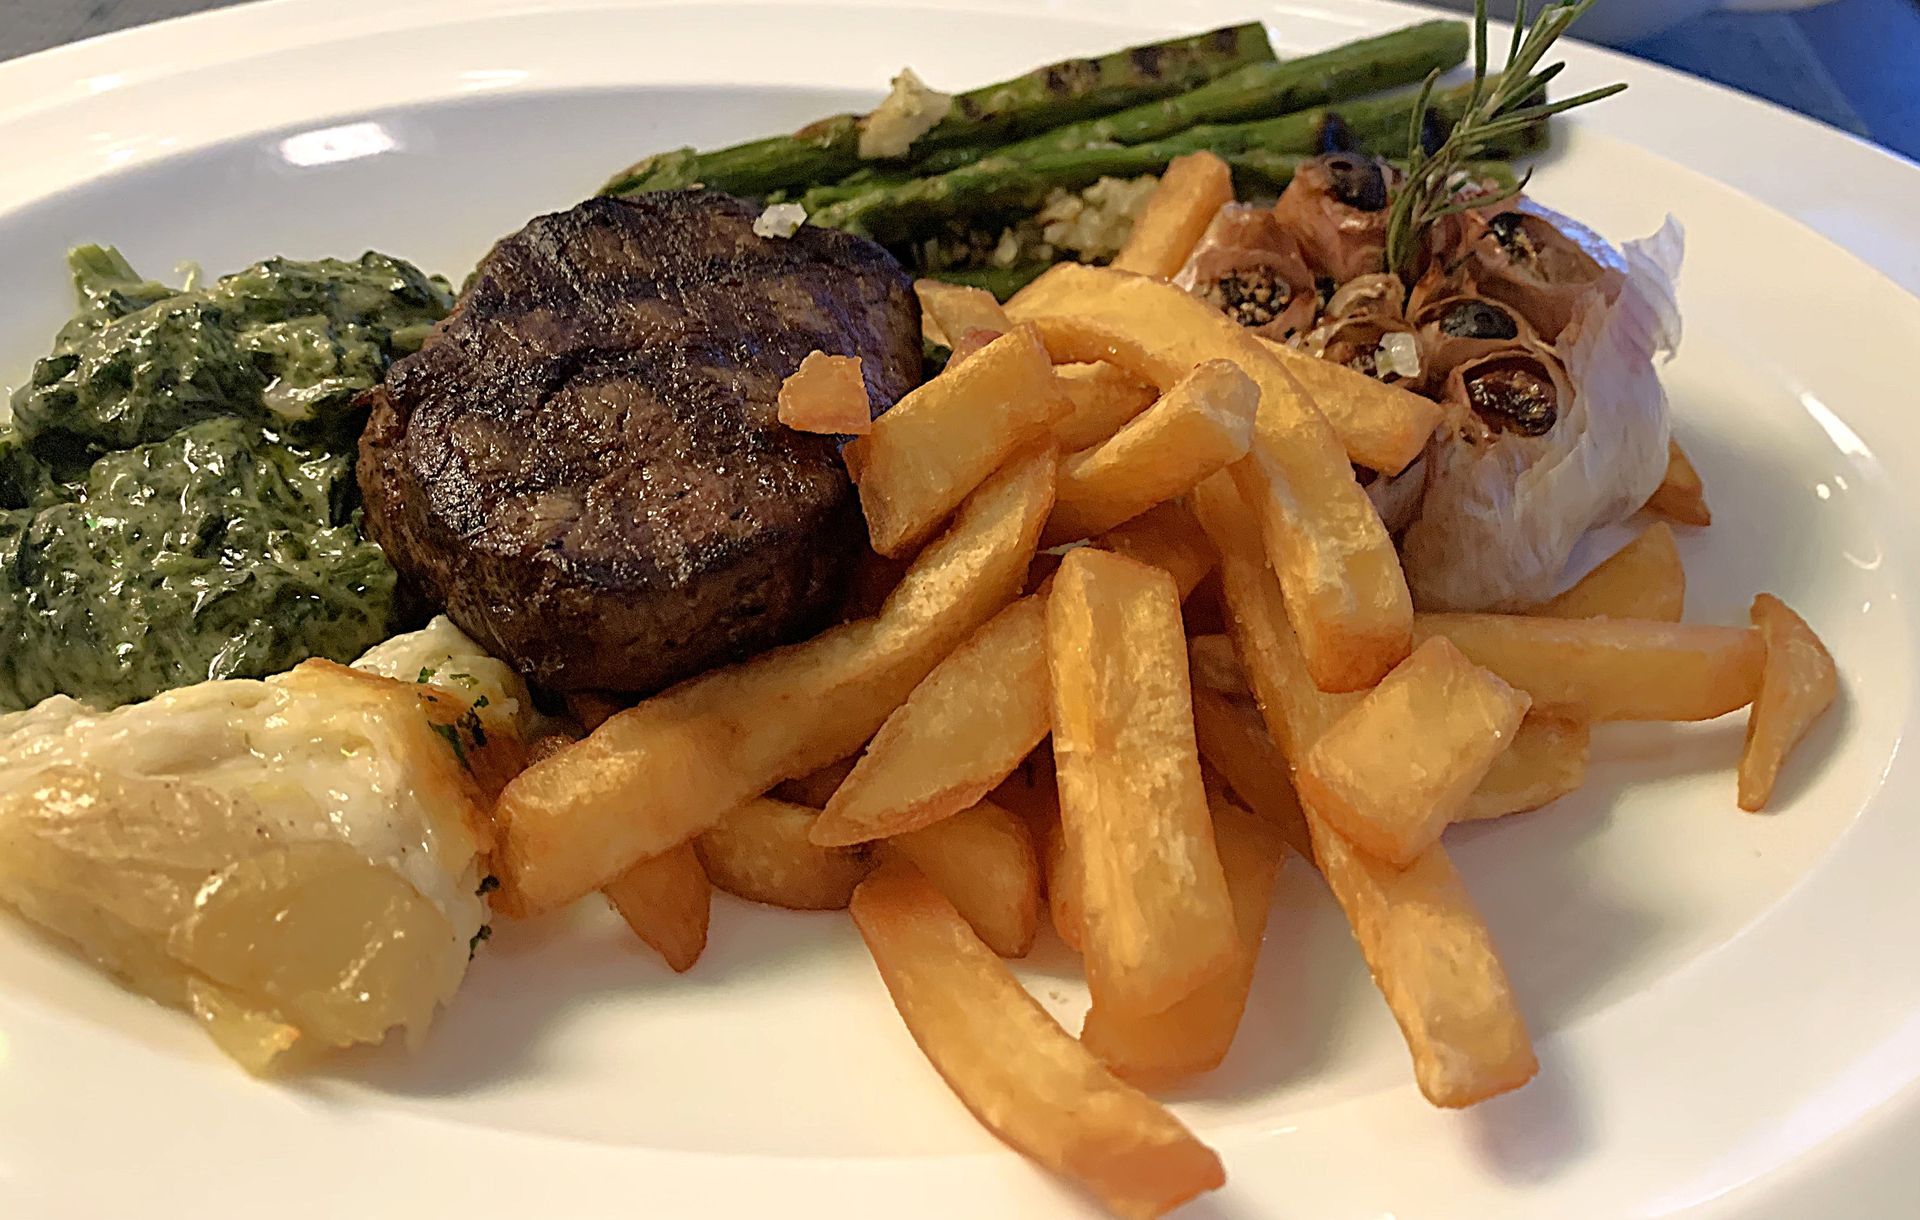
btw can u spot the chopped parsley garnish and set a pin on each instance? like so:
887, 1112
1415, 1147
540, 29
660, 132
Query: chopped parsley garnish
467, 731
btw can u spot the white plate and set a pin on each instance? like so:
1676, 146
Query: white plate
1727, 1007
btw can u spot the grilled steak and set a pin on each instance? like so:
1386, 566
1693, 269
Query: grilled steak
583, 465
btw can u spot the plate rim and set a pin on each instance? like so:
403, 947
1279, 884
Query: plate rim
260, 23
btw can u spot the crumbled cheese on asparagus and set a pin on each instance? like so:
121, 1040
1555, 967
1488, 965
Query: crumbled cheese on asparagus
780, 220
908, 113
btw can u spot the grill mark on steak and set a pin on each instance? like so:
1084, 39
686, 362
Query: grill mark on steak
583, 465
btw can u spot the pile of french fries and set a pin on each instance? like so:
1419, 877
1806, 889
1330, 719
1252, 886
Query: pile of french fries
1148, 637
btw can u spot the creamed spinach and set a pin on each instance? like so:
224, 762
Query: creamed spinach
177, 499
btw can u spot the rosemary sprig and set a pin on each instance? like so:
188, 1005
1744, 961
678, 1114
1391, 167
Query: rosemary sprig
1495, 108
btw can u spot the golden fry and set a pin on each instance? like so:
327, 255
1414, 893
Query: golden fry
1393, 772
1297, 711
1192, 188
666, 901
1612, 669
1066, 886
1644, 580
984, 861
1382, 427
1345, 593
1194, 1035
1681, 496
1798, 684
761, 852
944, 439
1200, 425
1104, 397
1233, 740
1428, 949
1167, 537
965, 728
1026, 1079
659, 773
826, 394
1158, 921
1434, 961
949, 311
1547, 760
968, 344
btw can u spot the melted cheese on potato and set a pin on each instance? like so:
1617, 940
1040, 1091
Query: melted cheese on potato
294, 857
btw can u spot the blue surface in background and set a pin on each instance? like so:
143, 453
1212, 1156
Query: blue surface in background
1854, 64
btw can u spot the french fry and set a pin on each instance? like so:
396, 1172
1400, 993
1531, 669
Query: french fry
1681, 495
760, 851
1192, 188
944, 439
826, 394
666, 901
815, 788
1394, 771
1612, 669
1233, 740
1643, 580
1066, 878
1345, 593
1167, 537
1157, 918
1296, 711
1378, 427
1200, 425
1382, 427
964, 729
1026, 1079
1216, 666
1433, 959
659, 773
1547, 760
969, 343
984, 861
949, 311
1429, 951
1071, 336
1798, 684
1194, 1035
1346, 596
1104, 397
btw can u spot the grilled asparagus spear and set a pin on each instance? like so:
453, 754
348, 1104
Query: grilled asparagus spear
1064, 92
1255, 91
1006, 182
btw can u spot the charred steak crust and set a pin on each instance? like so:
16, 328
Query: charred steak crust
582, 464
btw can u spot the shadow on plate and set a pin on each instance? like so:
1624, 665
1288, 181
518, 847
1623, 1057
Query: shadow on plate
1529, 1135
1307, 991
532, 977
